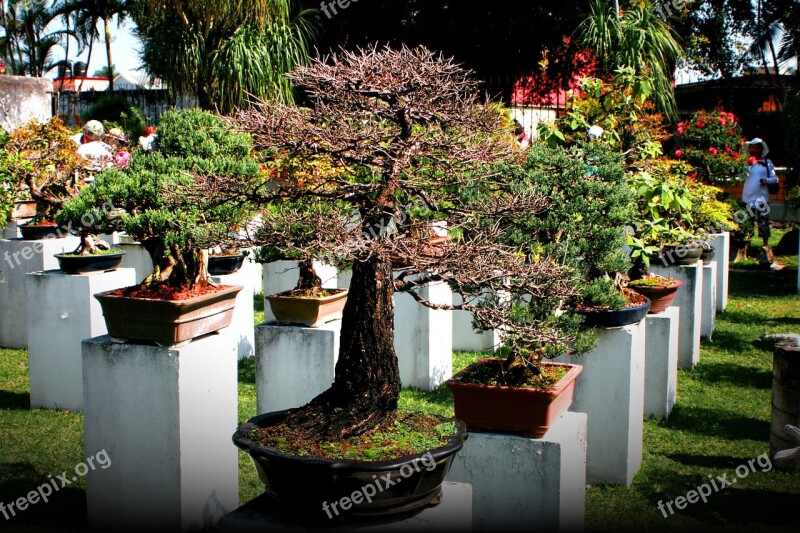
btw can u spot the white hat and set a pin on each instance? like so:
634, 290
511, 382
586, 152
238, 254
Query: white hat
764, 147
596, 131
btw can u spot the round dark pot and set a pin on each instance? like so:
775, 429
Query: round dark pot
38, 232
221, 265
660, 297
614, 318
81, 264
682, 254
708, 254
304, 484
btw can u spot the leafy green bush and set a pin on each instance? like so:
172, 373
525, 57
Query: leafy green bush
713, 143
148, 200
115, 110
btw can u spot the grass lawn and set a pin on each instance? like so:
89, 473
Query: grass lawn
721, 421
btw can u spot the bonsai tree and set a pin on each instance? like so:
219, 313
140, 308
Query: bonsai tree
39, 161
144, 200
409, 140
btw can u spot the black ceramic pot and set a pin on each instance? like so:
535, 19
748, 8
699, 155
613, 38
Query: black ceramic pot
708, 254
616, 318
81, 264
304, 484
221, 265
40, 231
684, 254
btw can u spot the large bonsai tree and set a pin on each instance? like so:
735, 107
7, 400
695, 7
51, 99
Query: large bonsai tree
409, 139
144, 201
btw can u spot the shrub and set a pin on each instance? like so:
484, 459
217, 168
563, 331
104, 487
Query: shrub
712, 142
114, 110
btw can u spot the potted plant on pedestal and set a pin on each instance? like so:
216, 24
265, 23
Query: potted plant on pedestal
177, 302
399, 126
39, 162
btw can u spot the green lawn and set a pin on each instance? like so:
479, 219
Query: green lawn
721, 421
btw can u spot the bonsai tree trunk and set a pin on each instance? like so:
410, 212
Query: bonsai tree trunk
175, 267
367, 385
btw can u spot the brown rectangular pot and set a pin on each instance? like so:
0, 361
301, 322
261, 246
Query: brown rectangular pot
523, 411
311, 312
167, 322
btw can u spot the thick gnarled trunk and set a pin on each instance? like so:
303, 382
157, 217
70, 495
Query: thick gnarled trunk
181, 269
365, 392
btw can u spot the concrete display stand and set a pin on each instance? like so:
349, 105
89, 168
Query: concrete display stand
661, 362
709, 314
165, 417
690, 302
137, 258
242, 323
282, 276
18, 258
294, 364
61, 313
454, 513
466, 339
610, 390
518, 481
423, 337
11, 231
722, 245
251, 274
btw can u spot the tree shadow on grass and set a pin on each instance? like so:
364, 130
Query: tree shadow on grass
732, 506
247, 370
65, 509
741, 376
732, 341
763, 283
718, 423
719, 462
20, 401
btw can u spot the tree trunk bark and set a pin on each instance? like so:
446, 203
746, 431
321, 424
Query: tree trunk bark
365, 392
175, 267
108, 56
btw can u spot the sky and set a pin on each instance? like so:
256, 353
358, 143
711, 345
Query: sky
124, 51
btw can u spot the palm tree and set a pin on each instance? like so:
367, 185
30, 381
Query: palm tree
223, 51
88, 14
638, 38
28, 44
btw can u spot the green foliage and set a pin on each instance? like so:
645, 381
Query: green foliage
146, 200
120, 111
600, 293
590, 206
713, 143
225, 52
636, 38
622, 107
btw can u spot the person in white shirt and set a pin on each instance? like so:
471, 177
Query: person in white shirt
755, 194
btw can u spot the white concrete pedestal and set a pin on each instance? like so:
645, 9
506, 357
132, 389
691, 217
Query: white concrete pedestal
690, 302
661, 366
11, 231
242, 324
454, 513
722, 245
165, 417
251, 275
709, 314
610, 390
61, 313
137, 258
524, 483
280, 276
294, 364
423, 337
466, 339
17, 258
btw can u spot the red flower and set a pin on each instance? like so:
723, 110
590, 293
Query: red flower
722, 122
680, 129
680, 124
712, 151
736, 155
701, 124
678, 153
751, 160
727, 149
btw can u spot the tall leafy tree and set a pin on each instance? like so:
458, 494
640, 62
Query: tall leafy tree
29, 40
224, 51
636, 37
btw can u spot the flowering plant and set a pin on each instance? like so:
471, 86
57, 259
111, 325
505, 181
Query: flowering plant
712, 142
